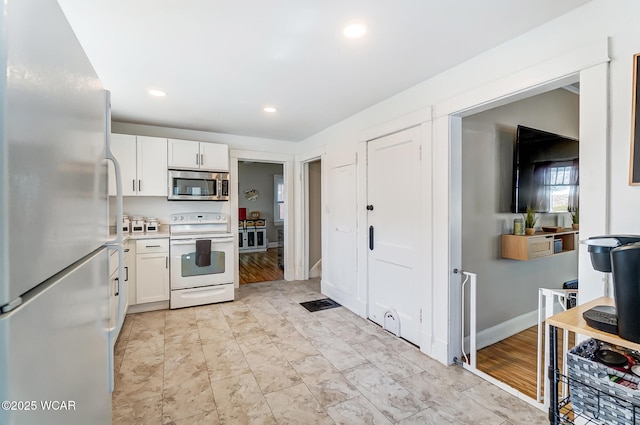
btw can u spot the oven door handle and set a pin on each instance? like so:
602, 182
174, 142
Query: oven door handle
193, 241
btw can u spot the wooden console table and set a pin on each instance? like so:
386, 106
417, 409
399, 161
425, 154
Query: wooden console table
540, 244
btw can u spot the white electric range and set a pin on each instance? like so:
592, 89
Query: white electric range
202, 266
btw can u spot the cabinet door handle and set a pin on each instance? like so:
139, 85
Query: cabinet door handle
133, 185
166, 262
152, 246
197, 159
117, 288
139, 185
201, 159
126, 276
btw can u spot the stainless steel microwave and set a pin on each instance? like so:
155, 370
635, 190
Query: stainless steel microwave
198, 186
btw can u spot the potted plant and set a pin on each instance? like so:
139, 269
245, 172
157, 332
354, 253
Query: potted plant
530, 221
575, 218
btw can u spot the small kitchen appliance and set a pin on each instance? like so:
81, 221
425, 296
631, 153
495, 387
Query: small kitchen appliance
198, 185
620, 256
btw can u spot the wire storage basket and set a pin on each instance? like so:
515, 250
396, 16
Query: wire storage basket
600, 393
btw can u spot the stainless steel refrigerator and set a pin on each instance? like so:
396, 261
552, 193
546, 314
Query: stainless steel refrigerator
55, 356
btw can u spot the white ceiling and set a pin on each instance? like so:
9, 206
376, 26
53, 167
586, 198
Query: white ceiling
221, 61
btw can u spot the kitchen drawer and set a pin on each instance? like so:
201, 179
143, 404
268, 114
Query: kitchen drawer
540, 247
146, 246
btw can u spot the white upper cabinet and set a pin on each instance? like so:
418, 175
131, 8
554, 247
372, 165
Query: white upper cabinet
184, 154
215, 157
123, 147
152, 166
190, 155
143, 165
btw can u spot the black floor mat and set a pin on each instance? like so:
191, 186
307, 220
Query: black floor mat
317, 305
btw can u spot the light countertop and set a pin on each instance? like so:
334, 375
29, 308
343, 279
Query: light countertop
572, 320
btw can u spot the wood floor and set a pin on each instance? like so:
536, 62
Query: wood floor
260, 266
514, 360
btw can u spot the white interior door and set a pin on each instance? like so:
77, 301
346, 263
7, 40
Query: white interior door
340, 279
393, 197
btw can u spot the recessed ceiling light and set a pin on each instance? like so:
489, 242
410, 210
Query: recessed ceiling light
270, 109
157, 93
354, 30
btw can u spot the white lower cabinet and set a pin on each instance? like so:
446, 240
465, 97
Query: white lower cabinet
114, 288
152, 270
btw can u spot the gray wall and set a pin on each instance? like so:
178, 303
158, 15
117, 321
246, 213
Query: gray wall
259, 176
315, 210
508, 288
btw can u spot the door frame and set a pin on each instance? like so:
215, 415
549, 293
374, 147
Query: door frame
589, 65
441, 310
301, 200
422, 118
306, 263
287, 162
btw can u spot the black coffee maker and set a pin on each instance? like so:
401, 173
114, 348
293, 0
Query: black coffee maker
620, 256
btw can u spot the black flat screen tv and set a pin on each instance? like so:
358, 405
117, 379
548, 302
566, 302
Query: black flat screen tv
537, 152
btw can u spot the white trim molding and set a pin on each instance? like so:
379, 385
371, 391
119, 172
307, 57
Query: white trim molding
287, 161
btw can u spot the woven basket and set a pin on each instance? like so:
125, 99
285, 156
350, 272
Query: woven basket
595, 395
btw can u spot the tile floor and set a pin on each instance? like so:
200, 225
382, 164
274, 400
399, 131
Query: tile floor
263, 359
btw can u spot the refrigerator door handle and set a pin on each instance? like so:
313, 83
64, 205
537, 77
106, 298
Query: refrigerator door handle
116, 167
117, 242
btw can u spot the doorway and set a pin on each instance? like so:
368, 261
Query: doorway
506, 320
313, 218
261, 221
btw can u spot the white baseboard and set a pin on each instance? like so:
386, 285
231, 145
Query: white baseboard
504, 330
440, 351
272, 245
